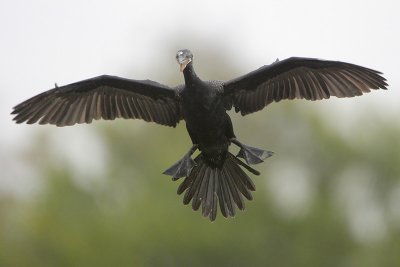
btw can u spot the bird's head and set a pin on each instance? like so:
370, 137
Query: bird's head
184, 57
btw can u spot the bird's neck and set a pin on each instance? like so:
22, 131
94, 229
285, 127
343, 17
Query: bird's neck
190, 76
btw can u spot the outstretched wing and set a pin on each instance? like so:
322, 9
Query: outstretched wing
292, 78
103, 97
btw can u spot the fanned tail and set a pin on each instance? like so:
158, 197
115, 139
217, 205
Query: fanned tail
207, 186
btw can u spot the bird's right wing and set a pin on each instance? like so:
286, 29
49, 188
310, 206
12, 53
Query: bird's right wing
103, 97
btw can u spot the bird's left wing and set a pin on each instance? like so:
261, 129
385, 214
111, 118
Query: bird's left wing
307, 78
103, 97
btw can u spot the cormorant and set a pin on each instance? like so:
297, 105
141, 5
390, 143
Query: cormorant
215, 175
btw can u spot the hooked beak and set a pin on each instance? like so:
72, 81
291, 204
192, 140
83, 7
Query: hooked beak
183, 63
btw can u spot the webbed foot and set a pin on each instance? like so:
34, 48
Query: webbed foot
251, 155
183, 167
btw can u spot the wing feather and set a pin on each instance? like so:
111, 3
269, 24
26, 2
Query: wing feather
307, 78
103, 97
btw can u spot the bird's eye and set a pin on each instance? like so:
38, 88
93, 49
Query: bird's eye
179, 55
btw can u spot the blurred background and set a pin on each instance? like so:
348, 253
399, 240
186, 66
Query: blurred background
94, 195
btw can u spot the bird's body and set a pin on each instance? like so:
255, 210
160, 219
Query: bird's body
215, 176
206, 119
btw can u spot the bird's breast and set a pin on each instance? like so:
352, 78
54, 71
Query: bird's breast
200, 104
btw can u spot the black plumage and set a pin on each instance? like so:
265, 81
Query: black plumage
215, 177
104, 97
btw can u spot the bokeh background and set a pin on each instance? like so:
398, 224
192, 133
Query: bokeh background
94, 195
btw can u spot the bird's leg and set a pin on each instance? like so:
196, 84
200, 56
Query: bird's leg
252, 155
183, 167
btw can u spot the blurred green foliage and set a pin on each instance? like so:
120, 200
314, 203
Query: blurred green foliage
133, 217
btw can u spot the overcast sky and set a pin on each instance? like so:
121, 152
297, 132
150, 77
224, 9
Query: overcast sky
47, 41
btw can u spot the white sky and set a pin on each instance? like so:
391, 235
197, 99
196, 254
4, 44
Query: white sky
47, 41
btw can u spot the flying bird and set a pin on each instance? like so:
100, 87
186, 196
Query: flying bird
215, 176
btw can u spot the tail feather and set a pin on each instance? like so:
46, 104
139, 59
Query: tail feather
236, 195
196, 202
226, 196
184, 185
196, 178
240, 186
214, 203
244, 165
209, 186
210, 195
199, 184
237, 179
204, 189
243, 182
222, 201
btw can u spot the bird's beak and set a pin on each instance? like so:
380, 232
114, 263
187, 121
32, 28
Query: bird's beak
184, 63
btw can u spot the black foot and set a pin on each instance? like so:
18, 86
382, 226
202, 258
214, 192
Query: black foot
183, 167
252, 155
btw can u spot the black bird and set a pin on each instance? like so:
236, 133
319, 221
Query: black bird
215, 175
